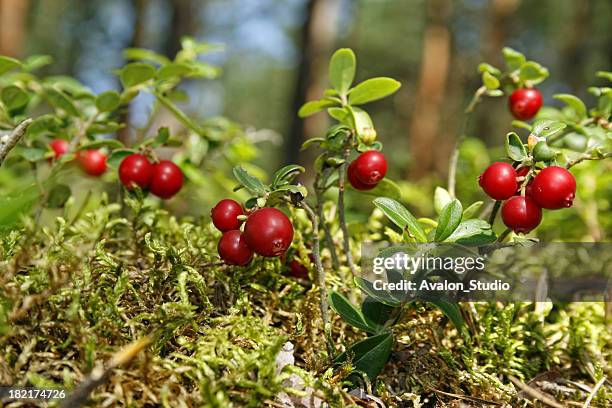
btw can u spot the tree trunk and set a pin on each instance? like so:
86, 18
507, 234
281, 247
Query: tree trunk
13, 16
426, 118
316, 42
183, 23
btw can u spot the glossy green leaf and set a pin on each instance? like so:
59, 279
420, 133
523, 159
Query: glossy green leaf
60, 100
286, 174
97, 144
117, 156
449, 219
381, 296
248, 181
490, 81
533, 73
14, 98
312, 141
162, 137
484, 67
385, 188
373, 89
547, 128
441, 198
542, 152
136, 73
472, 209
145, 55
514, 147
452, 311
32, 154
37, 61
575, 103
340, 114
108, 101
400, 216
342, 67
369, 355
312, 107
7, 64
349, 313
514, 59
376, 314
473, 232
361, 120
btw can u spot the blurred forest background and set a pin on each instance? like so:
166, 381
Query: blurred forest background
276, 54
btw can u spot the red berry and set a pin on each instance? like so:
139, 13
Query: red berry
134, 170
167, 179
521, 214
92, 162
499, 181
370, 167
233, 249
553, 188
225, 215
352, 178
268, 232
60, 147
297, 270
525, 103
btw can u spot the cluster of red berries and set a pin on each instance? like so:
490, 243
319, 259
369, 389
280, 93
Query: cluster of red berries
267, 232
525, 103
552, 188
164, 178
366, 171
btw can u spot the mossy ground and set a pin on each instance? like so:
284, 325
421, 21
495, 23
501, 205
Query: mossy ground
79, 290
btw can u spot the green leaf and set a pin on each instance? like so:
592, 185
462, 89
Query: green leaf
449, 219
60, 100
473, 232
13, 206
108, 101
361, 120
452, 311
514, 59
373, 89
7, 64
312, 141
340, 114
541, 152
381, 296
248, 181
490, 81
97, 144
484, 67
369, 355
605, 74
514, 147
286, 174
400, 216
342, 67
163, 135
173, 70
34, 62
312, 107
349, 313
376, 314
145, 55
14, 98
472, 209
31, 154
547, 128
136, 73
384, 188
575, 103
533, 73
117, 156
58, 195
441, 198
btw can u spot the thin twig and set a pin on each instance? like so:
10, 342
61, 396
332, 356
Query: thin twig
82, 132
466, 398
9, 141
494, 212
587, 156
503, 235
320, 278
341, 216
594, 392
326, 231
532, 392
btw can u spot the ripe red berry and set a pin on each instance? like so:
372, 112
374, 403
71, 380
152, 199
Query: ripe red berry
553, 188
352, 178
167, 179
60, 147
521, 214
225, 215
268, 232
135, 169
525, 103
92, 162
499, 181
297, 270
233, 249
370, 167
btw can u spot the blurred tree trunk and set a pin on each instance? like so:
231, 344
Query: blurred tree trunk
427, 114
573, 46
317, 39
183, 23
13, 16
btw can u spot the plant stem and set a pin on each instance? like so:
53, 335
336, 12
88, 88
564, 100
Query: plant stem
326, 231
494, 212
82, 132
452, 166
503, 235
8, 142
588, 156
320, 278
341, 216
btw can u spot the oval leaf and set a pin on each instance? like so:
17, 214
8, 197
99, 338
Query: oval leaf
108, 101
373, 89
7, 64
286, 174
14, 97
136, 73
248, 181
473, 232
349, 313
441, 198
449, 219
342, 69
515, 148
575, 103
369, 355
385, 188
400, 216
312, 107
